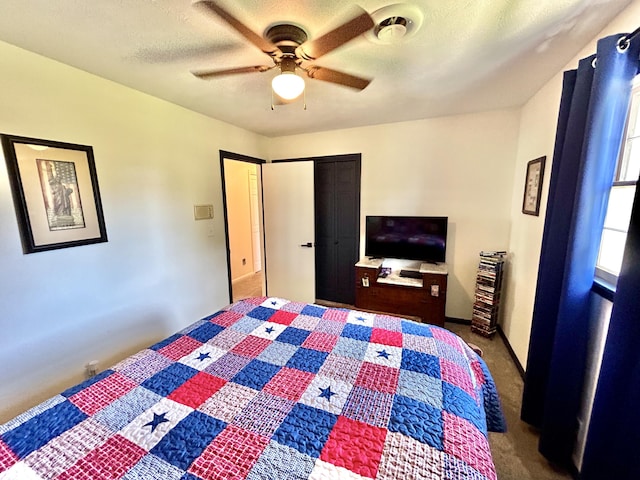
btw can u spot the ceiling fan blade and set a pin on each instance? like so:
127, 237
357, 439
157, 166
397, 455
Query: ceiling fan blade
333, 76
263, 44
358, 25
206, 74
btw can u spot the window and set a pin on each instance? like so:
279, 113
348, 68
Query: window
621, 197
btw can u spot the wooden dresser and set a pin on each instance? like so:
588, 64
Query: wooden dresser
423, 297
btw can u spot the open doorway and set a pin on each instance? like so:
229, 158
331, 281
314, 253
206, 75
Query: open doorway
242, 198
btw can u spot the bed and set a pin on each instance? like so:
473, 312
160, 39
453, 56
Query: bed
271, 389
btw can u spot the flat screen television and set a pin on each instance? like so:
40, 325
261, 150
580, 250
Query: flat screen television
411, 238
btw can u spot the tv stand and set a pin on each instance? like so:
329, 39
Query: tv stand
423, 297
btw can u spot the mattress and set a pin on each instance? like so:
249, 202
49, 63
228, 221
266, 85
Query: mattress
267, 388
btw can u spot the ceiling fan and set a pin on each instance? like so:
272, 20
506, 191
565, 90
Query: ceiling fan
290, 50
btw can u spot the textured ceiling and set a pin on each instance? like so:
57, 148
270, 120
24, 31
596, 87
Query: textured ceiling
467, 56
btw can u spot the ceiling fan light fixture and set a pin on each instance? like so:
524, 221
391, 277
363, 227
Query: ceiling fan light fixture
288, 85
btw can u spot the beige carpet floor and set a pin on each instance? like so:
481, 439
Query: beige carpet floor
248, 286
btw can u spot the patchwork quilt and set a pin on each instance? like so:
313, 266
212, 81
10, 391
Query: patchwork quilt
271, 389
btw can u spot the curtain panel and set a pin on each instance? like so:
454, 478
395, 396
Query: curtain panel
613, 439
589, 135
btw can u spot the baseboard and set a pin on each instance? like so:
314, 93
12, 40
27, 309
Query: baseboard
461, 321
511, 352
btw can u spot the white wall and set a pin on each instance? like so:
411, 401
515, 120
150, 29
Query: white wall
158, 272
459, 166
537, 136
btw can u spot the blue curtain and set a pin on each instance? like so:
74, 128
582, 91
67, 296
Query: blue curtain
613, 440
590, 130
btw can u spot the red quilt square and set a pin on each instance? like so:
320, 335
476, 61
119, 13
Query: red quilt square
226, 319
110, 461
464, 441
336, 315
321, 341
289, 383
97, 396
197, 390
477, 370
456, 375
386, 337
231, 455
7, 457
255, 300
251, 346
355, 446
378, 377
282, 317
181, 347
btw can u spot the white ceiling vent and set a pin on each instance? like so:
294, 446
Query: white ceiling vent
395, 23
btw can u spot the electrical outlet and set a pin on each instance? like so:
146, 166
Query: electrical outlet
91, 368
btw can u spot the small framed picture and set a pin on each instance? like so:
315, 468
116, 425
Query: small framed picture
533, 186
55, 193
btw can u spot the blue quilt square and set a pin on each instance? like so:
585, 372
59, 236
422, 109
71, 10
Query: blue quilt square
282, 462
39, 430
495, 416
313, 311
256, 374
87, 383
417, 420
349, 347
307, 360
190, 328
420, 362
188, 439
261, 313
293, 335
421, 387
460, 403
151, 466
357, 332
166, 381
246, 324
206, 332
165, 342
278, 353
306, 429
189, 476
125, 409
416, 328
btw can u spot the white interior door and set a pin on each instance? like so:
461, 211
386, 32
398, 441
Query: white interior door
289, 230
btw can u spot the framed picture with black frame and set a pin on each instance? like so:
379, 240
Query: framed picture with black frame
533, 186
55, 193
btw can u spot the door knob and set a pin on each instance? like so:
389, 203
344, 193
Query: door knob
307, 245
